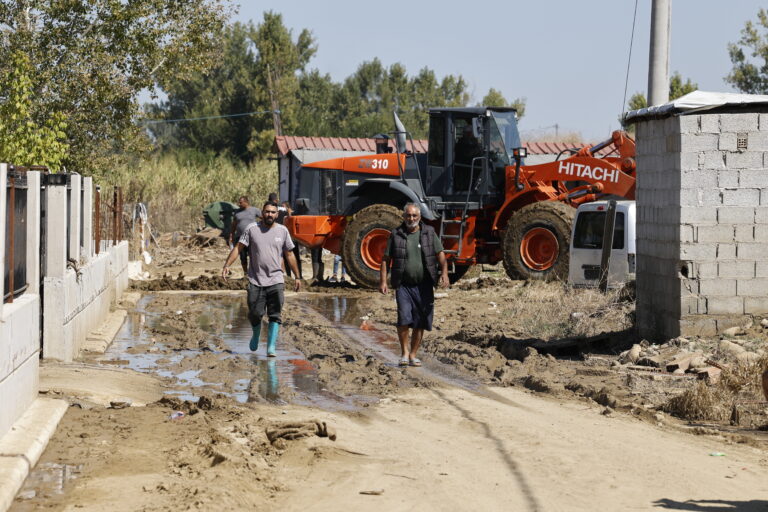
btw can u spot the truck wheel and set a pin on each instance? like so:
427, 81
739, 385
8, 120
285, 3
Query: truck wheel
537, 241
364, 242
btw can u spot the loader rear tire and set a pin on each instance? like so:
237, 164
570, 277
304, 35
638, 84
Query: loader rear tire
537, 241
364, 242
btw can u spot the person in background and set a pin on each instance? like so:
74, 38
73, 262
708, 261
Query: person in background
285, 211
243, 217
336, 264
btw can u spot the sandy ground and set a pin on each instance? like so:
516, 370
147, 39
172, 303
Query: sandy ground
477, 428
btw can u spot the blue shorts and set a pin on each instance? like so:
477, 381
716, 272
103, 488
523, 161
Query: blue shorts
416, 305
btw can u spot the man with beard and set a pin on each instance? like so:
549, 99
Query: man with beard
267, 242
415, 251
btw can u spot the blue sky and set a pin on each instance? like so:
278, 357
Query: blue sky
567, 58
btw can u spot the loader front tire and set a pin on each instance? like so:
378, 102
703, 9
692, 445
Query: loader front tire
365, 239
537, 241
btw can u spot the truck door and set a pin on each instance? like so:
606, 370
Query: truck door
468, 163
437, 177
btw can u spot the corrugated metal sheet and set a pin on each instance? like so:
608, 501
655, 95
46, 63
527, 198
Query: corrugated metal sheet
286, 143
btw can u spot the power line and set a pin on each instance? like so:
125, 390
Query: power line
629, 59
183, 120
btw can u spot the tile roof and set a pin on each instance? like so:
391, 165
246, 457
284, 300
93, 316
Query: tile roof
286, 143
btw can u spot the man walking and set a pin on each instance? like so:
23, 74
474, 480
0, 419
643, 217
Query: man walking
244, 216
415, 251
266, 242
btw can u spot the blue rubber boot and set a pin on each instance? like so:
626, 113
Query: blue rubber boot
255, 338
274, 327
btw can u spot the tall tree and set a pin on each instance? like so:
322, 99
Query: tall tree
677, 88
91, 58
749, 57
494, 98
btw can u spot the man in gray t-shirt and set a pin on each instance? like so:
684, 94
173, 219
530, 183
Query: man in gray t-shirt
244, 217
266, 242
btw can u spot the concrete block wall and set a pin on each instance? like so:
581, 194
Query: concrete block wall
702, 205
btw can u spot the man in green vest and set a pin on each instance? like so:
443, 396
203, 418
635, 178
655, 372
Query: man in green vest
414, 250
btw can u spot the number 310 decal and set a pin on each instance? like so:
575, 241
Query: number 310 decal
375, 163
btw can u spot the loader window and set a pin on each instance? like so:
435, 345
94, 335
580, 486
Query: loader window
589, 231
466, 148
437, 141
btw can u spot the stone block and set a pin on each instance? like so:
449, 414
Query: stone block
741, 197
727, 142
735, 215
717, 287
709, 123
689, 305
761, 215
755, 305
764, 197
721, 233
690, 161
707, 270
758, 141
745, 233
761, 269
698, 326
728, 179
687, 234
694, 142
754, 287
736, 269
701, 215
703, 178
699, 251
761, 232
726, 251
753, 178
745, 160
738, 122
725, 305
689, 124
762, 123
712, 160
754, 252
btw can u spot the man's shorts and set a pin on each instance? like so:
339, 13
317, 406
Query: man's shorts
416, 305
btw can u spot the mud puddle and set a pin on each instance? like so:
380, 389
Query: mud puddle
46, 480
150, 341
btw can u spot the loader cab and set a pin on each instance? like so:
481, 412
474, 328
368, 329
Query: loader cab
469, 150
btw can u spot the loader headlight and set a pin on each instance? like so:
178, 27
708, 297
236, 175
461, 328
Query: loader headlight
520, 152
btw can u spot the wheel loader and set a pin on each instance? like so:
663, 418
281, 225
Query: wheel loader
472, 186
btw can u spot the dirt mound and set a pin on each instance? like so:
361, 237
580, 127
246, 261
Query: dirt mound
180, 282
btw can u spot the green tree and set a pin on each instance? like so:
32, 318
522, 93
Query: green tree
494, 98
91, 59
749, 57
23, 141
677, 88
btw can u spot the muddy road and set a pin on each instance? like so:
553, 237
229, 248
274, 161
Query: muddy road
179, 414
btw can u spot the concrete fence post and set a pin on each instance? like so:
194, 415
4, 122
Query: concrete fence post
87, 218
3, 227
74, 217
55, 227
34, 179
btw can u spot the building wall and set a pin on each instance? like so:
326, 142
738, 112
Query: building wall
702, 206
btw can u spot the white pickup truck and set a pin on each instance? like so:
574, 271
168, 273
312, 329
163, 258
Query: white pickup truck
587, 245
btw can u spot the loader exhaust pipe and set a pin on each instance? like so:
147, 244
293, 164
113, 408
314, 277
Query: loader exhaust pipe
399, 134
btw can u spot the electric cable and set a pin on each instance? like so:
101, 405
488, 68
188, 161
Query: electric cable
629, 59
225, 116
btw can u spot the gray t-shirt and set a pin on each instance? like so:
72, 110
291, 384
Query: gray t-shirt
244, 217
266, 247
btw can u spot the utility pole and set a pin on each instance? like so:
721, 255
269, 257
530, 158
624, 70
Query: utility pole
658, 61
274, 105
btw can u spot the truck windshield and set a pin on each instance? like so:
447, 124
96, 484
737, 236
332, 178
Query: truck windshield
504, 134
589, 231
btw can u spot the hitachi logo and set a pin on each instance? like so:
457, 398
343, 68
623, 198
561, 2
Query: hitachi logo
585, 171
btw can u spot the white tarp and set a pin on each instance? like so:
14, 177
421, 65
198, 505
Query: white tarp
696, 101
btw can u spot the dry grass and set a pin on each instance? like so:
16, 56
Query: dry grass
738, 382
544, 311
176, 188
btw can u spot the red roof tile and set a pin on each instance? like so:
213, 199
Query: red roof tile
286, 143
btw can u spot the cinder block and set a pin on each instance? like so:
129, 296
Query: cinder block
717, 287
727, 178
755, 305
701, 215
754, 287
699, 251
714, 160
715, 233
736, 269
687, 234
757, 141
762, 123
695, 142
708, 270
727, 142
761, 233
698, 326
710, 123
725, 306
745, 160
755, 252
764, 197
753, 178
698, 179
689, 161
741, 197
689, 124
735, 215
738, 122
761, 215
726, 251
761, 269
745, 233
